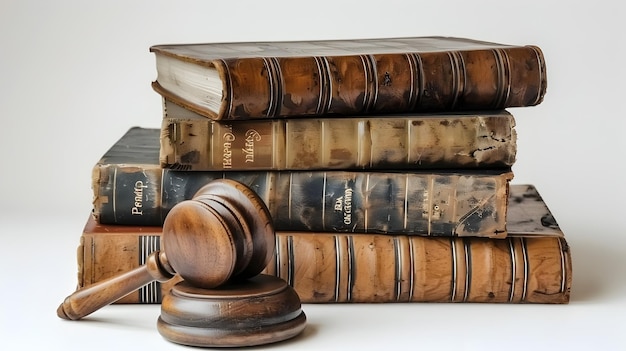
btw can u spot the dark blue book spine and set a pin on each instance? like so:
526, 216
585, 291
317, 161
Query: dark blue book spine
415, 203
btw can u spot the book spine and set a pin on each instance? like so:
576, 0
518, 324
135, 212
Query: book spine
270, 87
425, 142
101, 256
341, 268
437, 204
127, 193
326, 267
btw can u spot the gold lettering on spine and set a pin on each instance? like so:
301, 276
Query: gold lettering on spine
138, 203
347, 207
251, 137
339, 203
344, 204
227, 156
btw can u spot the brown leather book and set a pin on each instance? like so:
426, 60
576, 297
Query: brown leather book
467, 140
130, 187
531, 265
348, 77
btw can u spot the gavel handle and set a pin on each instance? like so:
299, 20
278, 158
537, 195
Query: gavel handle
93, 297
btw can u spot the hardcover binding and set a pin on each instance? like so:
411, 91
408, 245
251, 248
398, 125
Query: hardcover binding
131, 188
531, 265
283, 79
391, 142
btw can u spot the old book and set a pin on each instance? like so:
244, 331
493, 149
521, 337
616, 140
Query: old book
347, 77
401, 141
531, 265
131, 188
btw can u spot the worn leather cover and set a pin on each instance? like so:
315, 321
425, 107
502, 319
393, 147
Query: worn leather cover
467, 140
442, 202
347, 77
531, 265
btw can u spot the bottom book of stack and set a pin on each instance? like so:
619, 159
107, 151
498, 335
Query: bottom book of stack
531, 265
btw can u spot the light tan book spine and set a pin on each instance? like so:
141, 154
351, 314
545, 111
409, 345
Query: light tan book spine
411, 141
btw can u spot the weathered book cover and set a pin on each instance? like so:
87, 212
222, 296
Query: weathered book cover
465, 140
531, 265
131, 188
347, 77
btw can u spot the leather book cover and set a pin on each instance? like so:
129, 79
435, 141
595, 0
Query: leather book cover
348, 77
442, 202
531, 265
463, 140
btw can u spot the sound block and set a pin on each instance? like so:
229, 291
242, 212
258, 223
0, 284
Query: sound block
260, 310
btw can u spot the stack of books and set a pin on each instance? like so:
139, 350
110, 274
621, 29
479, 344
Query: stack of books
386, 165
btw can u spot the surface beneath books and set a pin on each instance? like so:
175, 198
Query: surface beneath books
39, 261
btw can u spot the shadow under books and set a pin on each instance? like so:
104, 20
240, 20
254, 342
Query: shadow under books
143, 317
597, 267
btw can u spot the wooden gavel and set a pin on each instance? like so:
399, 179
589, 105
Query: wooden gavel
218, 242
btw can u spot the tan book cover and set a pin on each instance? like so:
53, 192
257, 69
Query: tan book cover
531, 265
463, 140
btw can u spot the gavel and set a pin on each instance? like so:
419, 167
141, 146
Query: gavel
218, 242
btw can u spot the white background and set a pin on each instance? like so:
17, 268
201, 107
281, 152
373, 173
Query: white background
75, 75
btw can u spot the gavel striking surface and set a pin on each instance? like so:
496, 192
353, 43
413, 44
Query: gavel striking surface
257, 311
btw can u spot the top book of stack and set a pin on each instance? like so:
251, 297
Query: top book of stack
230, 81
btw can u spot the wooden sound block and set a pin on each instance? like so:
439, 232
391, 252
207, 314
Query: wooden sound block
260, 310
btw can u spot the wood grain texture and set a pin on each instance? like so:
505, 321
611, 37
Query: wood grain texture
208, 240
260, 310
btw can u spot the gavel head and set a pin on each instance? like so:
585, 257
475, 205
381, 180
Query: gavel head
214, 241
223, 233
